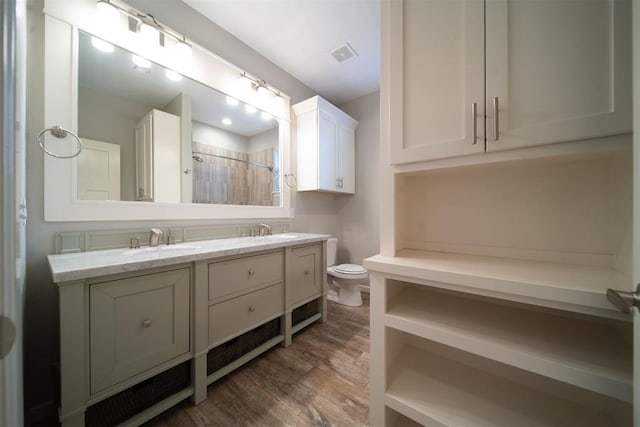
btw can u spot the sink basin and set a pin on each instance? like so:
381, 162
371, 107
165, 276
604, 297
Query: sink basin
160, 249
282, 236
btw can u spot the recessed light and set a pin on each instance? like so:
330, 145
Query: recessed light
226, 121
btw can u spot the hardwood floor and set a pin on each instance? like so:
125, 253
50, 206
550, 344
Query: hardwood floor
321, 379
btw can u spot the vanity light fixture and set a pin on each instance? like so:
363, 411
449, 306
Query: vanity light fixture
261, 87
172, 75
150, 30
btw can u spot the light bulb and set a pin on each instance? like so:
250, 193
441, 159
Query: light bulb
172, 75
141, 62
245, 83
108, 13
101, 45
149, 35
250, 109
232, 101
226, 121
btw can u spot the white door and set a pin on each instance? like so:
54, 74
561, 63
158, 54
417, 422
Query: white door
557, 71
13, 210
144, 158
99, 171
436, 68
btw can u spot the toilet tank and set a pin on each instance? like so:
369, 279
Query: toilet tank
332, 247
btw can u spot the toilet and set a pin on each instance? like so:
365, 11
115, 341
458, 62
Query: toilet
344, 279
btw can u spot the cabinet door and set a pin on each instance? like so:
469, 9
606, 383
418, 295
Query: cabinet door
560, 70
136, 324
346, 160
327, 146
434, 56
166, 157
144, 158
304, 270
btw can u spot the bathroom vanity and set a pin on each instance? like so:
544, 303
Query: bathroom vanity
143, 329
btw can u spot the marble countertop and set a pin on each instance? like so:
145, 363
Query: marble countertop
84, 265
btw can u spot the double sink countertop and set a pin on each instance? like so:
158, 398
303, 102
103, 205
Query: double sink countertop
84, 265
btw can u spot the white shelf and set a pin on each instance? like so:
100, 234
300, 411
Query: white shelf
591, 354
434, 390
578, 288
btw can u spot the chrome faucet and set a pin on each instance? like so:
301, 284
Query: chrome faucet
265, 230
154, 239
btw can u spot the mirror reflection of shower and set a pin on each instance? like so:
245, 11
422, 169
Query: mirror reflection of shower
233, 168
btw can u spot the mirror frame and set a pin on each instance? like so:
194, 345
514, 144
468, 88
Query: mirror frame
63, 20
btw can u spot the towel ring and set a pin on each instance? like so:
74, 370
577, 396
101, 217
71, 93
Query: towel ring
59, 132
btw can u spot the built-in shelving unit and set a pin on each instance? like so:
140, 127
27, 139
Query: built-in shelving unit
446, 391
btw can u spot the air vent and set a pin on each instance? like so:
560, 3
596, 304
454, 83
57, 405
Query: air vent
344, 53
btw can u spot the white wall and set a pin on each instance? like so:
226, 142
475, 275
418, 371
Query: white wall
220, 138
263, 140
358, 215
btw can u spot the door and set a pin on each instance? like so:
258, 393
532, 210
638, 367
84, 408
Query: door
99, 171
13, 210
557, 71
435, 52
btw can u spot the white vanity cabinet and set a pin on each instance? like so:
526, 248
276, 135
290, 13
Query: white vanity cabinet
326, 147
158, 154
123, 339
143, 329
553, 71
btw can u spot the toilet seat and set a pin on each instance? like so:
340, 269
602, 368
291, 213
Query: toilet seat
348, 271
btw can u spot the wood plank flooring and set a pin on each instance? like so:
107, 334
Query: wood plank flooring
321, 379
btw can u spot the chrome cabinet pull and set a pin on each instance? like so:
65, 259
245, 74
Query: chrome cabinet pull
252, 308
306, 272
146, 323
474, 114
251, 272
496, 121
624, 300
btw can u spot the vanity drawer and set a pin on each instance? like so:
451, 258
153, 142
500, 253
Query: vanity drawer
305, 272
232, 277
237, 315
137, 323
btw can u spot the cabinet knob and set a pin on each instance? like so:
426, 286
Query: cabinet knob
251, 272
306, 272
146, 323
252, 308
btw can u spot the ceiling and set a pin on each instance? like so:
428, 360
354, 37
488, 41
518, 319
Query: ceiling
300, 35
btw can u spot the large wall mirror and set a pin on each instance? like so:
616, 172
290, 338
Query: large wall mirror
232, 148
157, 144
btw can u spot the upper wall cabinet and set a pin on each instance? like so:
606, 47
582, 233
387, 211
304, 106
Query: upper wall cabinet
555, 72
326, 147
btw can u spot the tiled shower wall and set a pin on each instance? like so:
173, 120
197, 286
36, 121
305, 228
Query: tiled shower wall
224, 181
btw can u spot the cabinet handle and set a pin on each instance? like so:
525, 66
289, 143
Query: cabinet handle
146, 323
251, 272
252, 308
474, 114
496, 122
306, 272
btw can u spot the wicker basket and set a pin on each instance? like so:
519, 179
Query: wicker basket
129, 402
304, 312
220, 356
